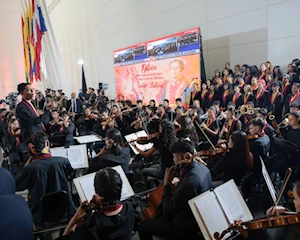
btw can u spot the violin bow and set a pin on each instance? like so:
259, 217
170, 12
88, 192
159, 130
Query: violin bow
283, 186
207, 138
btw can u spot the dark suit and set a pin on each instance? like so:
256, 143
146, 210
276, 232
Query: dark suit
78, 109
30, 123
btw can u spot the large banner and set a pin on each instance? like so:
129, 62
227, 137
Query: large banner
164, 68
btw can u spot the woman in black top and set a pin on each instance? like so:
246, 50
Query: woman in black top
167, 137
187, 129
237, 162
111, 220
113, 154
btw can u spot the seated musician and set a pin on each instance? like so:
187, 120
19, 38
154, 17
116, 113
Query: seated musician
188, 129
16, 218
167, 137
231, 124
161, 110
216, 105
292, 232
152, 103
168, 109
175, 219
200, 111
211, 129
179, 113
288, 147
237, 162
113, 154
112, 219
193, 114
67, 127
259, 144
53, 126
86, 122
43, 173
179, 104
268, 129
13, 142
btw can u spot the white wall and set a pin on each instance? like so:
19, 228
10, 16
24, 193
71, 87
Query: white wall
12, 69
239, 31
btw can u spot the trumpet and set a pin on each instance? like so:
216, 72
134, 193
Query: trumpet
284, 123
247, 110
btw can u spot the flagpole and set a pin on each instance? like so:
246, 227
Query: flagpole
60, 68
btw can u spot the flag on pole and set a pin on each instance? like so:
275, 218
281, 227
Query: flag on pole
202, 66
24, 47
84, 88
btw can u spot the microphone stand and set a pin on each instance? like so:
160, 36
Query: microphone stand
184, 91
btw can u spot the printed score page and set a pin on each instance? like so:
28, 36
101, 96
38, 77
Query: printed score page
211, 218
232, 202
268, 181
88, 139
86, 190
77, 156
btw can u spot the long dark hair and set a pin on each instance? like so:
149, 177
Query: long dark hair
168, 135
241, 149
108, 184
188, 129
280, 73
115, 135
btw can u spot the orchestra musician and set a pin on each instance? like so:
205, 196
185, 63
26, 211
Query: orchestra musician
179, 104
237, 162
200, 111
187, 130
113, 154
193, 114
31, 120
231, 124
167, 137
287, 153
152, 103
259, 144
86, 122
43, 173
175, 219
210, 127
112, 219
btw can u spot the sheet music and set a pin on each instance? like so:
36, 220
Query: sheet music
131, 137
59, 152
86, 190
87, 185
212, 217
88, 139
77, 156
232, 202
268, 181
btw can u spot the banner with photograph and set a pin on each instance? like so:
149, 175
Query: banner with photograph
164, 68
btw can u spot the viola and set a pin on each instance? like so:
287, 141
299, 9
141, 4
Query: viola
269, 222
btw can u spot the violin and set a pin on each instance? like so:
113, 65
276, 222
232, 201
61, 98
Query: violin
149, 138
212, 152
269, 222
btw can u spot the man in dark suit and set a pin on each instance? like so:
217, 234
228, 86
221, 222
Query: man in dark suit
31, 120
176, 220
74, 106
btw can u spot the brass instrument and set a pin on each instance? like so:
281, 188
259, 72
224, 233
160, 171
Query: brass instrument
271, 117
247, 110
284, 123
